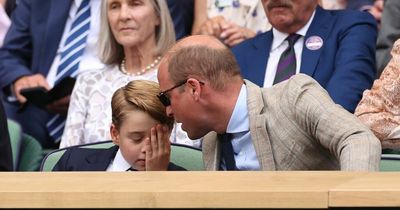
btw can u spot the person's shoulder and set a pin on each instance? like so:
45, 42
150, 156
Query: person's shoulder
301, 79
78, 151
350, 16
246, 44
296, 83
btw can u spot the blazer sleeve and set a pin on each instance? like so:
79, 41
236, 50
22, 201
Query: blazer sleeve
62, 164
355, 64
332, 127
16, 53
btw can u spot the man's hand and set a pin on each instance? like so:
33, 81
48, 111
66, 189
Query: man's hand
376, 10
212, 26
232, 34
60, 106
158, 149
28, 82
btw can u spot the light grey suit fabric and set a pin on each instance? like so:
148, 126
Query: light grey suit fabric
295, 125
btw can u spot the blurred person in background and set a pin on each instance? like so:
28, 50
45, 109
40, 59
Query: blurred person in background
47, 41
231, 21
335, 47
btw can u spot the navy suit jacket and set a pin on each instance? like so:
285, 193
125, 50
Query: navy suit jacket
182, 14
84, 159
6, 161
344, 65
33, 38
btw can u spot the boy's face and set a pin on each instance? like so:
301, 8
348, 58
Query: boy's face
131, 137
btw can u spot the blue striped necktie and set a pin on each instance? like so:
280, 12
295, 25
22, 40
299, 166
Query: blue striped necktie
71, 54
287, 62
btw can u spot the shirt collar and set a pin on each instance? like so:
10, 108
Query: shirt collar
119, 163
239, 121
279, 37
78, 3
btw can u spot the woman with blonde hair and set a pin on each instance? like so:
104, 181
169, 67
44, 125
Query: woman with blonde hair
134, 36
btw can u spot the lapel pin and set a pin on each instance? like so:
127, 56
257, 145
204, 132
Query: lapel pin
314, 43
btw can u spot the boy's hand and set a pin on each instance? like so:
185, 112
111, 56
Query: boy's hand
158, 149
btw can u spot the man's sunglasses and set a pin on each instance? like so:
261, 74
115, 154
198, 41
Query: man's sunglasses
164, 97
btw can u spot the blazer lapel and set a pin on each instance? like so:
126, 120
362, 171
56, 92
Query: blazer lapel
258, 132
319, 27
99, 161
56, 20
211, 151
258, 59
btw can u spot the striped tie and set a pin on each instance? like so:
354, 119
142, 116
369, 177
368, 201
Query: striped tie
70, 57
287, 61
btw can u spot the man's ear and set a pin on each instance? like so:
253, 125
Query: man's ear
114, 134
195, 87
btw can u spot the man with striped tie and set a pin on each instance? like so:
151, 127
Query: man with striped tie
47, 41
335, 47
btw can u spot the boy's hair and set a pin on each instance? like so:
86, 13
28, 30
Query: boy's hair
139, 95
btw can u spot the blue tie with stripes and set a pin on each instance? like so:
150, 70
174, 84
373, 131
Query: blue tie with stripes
287, 62
71, 54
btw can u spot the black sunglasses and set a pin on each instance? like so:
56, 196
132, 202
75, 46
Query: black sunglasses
164, 97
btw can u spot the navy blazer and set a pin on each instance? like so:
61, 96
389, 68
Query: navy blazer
84, 159
6, 161
344, 65
33, 38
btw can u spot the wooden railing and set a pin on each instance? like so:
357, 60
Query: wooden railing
308, 189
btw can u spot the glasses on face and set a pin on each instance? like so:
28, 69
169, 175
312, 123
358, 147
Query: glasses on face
163, 97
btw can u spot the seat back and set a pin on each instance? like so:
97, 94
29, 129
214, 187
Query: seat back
390, 162
15, 133
188, 157
182, 155
31, 154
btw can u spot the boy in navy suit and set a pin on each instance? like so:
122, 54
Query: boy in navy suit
140, 130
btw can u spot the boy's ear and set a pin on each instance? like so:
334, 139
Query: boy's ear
114, 134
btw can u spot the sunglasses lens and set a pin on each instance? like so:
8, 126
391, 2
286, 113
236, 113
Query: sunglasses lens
164, 99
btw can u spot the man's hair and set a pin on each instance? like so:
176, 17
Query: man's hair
216, 65
139, 95
111, 52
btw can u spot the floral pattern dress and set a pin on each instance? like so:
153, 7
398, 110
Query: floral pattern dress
380, 107
246, 13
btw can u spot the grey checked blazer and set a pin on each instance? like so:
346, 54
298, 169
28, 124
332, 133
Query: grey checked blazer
295, 125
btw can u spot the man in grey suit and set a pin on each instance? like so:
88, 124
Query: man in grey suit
294, 125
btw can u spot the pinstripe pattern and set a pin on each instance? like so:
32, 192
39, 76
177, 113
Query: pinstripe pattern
71, 55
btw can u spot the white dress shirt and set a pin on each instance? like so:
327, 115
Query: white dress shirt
279, 44
239, 127
90, 59
5, 23
119, 163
